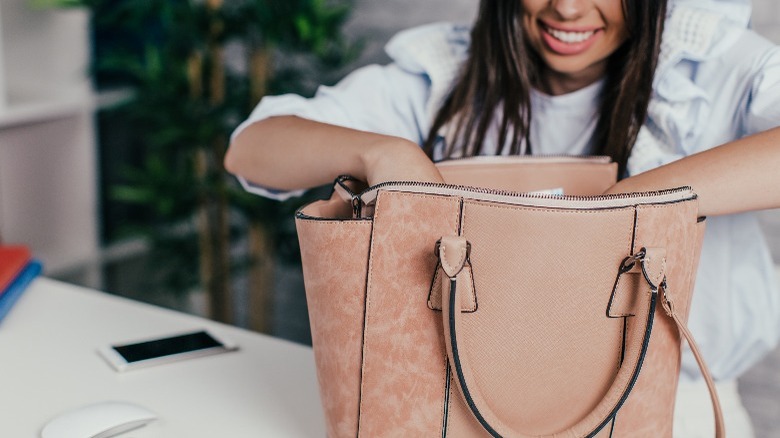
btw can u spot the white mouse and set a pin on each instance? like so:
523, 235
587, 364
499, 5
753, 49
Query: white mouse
98, 420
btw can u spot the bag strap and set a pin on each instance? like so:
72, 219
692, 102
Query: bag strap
453, 252
668, 306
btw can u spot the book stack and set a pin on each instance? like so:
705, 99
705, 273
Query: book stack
17, 269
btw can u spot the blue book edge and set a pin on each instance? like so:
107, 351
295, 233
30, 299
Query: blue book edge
18, 286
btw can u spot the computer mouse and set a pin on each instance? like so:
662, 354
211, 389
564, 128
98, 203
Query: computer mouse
98, 420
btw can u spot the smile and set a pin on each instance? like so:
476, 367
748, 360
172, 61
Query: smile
569, 42
570, 37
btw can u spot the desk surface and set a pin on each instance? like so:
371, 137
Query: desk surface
49, 364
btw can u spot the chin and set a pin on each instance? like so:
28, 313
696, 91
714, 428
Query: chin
572, 68
568, 68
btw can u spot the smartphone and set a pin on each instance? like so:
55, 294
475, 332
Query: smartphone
167, 349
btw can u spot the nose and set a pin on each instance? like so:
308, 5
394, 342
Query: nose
571, 9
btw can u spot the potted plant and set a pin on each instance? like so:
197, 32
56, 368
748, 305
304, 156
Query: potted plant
194, 70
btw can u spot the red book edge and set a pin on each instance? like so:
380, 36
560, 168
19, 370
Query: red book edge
13, 258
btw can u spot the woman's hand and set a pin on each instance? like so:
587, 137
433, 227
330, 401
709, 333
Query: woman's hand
395, 159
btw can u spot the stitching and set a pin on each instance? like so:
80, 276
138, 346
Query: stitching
616, 296
631, 236
475, 307
436, 280
445, 396
444, 260
367, 318
649, 260
363, 329
445, 264
467, 263
535, 208
331, 221
662, 272
546, 209
617, 290
471, 265
634, 363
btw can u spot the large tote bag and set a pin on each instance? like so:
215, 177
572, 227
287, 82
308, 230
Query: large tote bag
460, 311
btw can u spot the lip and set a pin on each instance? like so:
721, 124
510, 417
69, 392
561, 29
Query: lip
544, 23
568, 49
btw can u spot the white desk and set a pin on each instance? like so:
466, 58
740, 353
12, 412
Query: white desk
48, 364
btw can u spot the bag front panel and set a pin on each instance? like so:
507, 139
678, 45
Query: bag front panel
543, 349
404, 362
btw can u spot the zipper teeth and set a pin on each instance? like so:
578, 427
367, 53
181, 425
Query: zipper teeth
374, 189
539, 157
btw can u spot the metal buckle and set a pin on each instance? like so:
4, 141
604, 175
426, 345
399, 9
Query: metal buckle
630, 261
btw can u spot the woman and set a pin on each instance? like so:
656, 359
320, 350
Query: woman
698, 108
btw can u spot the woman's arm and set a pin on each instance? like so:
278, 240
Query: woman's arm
740, 176
289, 153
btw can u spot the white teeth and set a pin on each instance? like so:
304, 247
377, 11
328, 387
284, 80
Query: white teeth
570, 37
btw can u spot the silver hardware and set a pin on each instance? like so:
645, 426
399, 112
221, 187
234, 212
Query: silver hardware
630, 261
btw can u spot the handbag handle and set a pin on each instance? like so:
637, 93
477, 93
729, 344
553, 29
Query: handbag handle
668, 306
453, 252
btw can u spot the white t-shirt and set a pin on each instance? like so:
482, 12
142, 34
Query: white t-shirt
716, 81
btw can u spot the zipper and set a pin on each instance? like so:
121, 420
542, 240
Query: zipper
368, 197
514, 159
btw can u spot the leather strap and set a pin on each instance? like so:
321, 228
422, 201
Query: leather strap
655, 257
668, 305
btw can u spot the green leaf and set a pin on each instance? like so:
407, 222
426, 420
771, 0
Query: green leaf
304, 27
44, 4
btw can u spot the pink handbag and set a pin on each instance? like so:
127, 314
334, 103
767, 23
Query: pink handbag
450, 310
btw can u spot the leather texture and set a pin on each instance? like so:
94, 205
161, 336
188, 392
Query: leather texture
530, 305
550, 329
336, 303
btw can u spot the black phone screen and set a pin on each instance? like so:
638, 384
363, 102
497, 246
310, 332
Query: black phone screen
166, 346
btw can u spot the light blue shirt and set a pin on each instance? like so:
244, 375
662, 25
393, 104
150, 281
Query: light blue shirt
716, 81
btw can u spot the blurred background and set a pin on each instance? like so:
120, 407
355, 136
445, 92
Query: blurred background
115, 115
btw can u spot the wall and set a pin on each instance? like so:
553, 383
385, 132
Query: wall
766, 18
375, 21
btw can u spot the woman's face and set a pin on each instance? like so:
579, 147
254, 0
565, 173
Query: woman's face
574, 38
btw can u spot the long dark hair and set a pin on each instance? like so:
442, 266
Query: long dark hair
501, 68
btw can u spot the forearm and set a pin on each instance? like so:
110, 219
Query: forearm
736, 177
290, 153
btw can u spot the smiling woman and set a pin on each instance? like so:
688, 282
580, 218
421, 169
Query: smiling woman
576, 77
